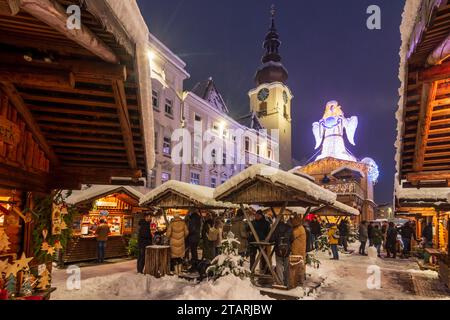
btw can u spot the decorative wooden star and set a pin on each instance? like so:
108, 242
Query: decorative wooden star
23, 262
4, 265
12, 269
51, 251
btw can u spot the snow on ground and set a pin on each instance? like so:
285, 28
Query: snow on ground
340, 280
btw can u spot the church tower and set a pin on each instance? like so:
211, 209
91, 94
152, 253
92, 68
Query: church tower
271, 99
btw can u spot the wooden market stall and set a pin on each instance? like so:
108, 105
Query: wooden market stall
423, 160
118, 205
175, 196
269, 187
74, 108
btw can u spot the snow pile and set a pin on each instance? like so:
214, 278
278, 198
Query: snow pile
96, 191
201, 194
278, 176
345, 208
347, 168
132, 286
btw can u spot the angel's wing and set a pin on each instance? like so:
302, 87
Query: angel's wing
317, 131
350, 125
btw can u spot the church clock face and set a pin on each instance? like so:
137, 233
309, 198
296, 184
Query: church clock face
263, 94
285, 97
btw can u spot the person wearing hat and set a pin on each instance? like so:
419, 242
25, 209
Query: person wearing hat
144, 240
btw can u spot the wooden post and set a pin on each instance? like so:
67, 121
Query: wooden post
157, 260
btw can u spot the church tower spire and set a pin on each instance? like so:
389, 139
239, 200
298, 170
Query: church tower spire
271, 69
271, 99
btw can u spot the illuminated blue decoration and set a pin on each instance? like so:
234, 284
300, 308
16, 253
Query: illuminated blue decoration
373, 169
329, 133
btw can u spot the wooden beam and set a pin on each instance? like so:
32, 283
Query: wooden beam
124, 118
80, 68
41, 77
439, 72
29, 120
423, 129
424, 176
53, 14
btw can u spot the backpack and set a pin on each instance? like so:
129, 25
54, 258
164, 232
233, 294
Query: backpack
282, 247
213, 234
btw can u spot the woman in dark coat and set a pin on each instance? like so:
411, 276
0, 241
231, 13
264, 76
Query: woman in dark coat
194, 223
391, 241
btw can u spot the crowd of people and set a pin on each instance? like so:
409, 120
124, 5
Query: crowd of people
393, 239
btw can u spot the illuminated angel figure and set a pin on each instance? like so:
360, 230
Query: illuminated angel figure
329, 133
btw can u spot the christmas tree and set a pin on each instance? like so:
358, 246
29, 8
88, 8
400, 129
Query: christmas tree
44, 280
4, 241
27, 288
10, 285
229, 262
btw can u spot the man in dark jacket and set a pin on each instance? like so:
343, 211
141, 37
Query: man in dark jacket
343, 234
194, 223
391, 241
282, 239
370, 233
407, 232
427, 234
144, 240
262, 228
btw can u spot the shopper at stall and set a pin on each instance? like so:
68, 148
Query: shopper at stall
177, 232
240, 230
144, 240
262, 228
333, 240
316, 232
344, 230
218, 224
194, 223
282, 239
427, 235
391, 241
209, 237
102, 233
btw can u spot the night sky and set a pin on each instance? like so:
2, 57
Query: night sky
326, 47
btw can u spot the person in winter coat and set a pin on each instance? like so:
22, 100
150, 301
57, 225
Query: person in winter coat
370, 229
262, 228
427, 234
240, 230
333, 240
194, 224
102, 233
391, 241
363, 236
316, 232
144, 240
344, 230
377, 239
384, 228
209, 238
407, 233
218, 224
299, 244
282, 238
177, 232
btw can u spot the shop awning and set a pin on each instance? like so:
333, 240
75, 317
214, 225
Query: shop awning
92, 193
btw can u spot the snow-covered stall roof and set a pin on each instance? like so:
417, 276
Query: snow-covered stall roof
347, 168
98, 191
431, 194
279, 178
199, 195
297, 172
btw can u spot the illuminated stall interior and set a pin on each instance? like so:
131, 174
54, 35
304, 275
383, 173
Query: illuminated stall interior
118, 206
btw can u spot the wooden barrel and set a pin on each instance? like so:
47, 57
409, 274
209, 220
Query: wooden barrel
157, 260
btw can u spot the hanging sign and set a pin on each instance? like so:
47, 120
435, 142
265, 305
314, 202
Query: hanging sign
9, 132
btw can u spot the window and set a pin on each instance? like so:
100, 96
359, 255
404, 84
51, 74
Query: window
215, 127
153, 179
198, 118
263, 109
166, 146
269, 153
156, 142
225, 134
247, 144
285, 112
155, 99
169, 107
165, 176
214, 155
195, 178
213, 182
224, 158
223, 181
258, 149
